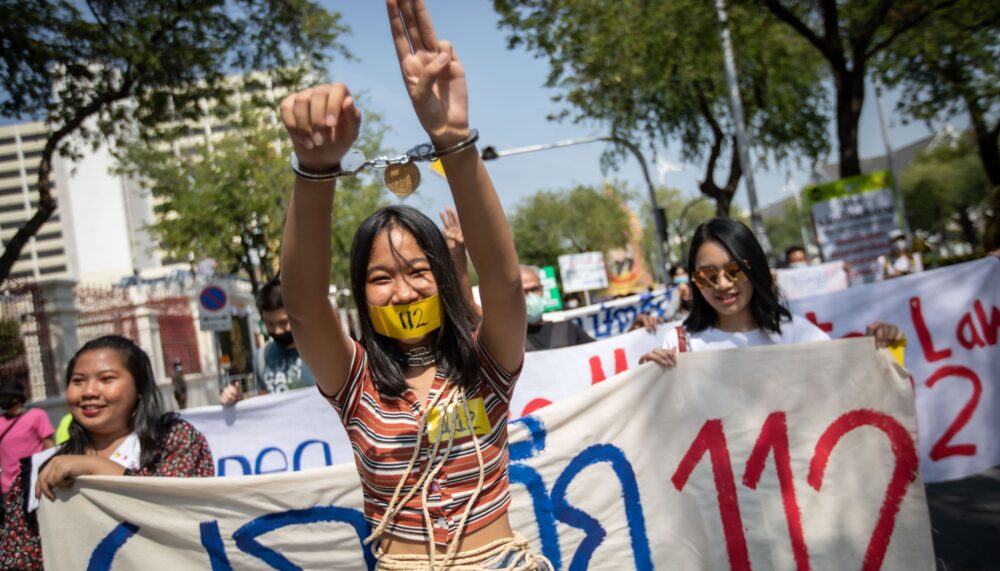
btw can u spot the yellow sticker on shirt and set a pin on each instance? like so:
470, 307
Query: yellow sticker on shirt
441, 423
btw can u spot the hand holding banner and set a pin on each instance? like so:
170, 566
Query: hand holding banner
805, 458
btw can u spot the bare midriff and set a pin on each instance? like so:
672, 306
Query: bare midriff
495, 530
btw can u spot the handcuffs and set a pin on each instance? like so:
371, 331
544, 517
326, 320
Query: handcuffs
402, 177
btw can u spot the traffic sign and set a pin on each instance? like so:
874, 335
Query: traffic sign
213, 304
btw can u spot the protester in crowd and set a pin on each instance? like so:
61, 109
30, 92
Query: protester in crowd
542, 334
119, 428
179, 384
277, 366
456, 245
678, 307
454, 488
900, 261
736, 301
23, 431
796, 257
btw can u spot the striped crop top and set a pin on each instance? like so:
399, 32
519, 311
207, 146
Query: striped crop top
383, 432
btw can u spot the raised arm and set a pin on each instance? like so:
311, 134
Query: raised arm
456, 246
322, 123
435, 81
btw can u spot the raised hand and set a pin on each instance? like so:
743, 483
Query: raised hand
433, 75
453, 234
323, 123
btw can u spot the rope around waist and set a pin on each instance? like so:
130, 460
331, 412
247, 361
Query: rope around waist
515, 549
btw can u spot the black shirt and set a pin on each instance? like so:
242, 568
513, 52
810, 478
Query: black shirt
553, 335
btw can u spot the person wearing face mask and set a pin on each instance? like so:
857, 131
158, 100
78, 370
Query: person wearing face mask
23, 432
795, 257
277, 366
543, 335
900, 261
678, 307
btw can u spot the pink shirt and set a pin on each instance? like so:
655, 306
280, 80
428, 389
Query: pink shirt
23, 440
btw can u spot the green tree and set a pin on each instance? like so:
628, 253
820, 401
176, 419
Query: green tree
685, 214
224, 197
97, 69
944, 186
549, 224
849, 34
785, 230
949, 66
653, 71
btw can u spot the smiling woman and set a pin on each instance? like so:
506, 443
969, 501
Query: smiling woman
118, 428
736, 302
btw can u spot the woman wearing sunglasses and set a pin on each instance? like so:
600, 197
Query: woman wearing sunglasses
736, 302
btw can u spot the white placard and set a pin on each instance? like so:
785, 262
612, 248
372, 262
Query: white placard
583, 272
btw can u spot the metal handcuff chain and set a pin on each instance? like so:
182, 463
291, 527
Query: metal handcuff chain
401, 177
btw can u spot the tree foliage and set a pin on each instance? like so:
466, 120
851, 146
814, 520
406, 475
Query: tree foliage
950, 66
221, 198
944, 186
785, 230
685, 215
549, 224
848, 34
98, 69
653, 71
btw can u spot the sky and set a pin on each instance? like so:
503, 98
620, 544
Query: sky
509, 103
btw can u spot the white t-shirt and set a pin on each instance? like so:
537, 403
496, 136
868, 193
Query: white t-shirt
798, 330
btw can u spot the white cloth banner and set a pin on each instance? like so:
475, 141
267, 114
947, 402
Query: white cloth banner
614, 317
771, 458
951, 317
812, 280
299, 430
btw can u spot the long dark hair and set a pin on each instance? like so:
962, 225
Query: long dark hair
148, 420
766, 305
456, 356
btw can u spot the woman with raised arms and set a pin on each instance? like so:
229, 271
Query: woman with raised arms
424, 395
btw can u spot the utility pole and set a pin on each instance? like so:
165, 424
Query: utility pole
891, 161
736, 104
490, 153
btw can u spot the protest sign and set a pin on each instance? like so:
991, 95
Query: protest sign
812, 280
583, 272
951, 317
690, 468
614, 317
853, 218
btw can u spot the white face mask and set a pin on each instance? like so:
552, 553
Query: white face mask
798, 264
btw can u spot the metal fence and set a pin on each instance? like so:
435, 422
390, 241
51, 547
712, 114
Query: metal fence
25, 342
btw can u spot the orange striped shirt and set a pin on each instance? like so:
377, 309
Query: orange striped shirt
383, 433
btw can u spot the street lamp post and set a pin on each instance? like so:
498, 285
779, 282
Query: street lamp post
490, 153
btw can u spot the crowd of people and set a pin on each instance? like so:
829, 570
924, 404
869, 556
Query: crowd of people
425, 343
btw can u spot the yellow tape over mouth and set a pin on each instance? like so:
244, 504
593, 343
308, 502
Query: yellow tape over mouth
407, 321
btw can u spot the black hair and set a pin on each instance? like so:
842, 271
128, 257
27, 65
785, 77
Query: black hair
792, 249
676, 268
456, 356
269, 296
150, 424
766, 304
